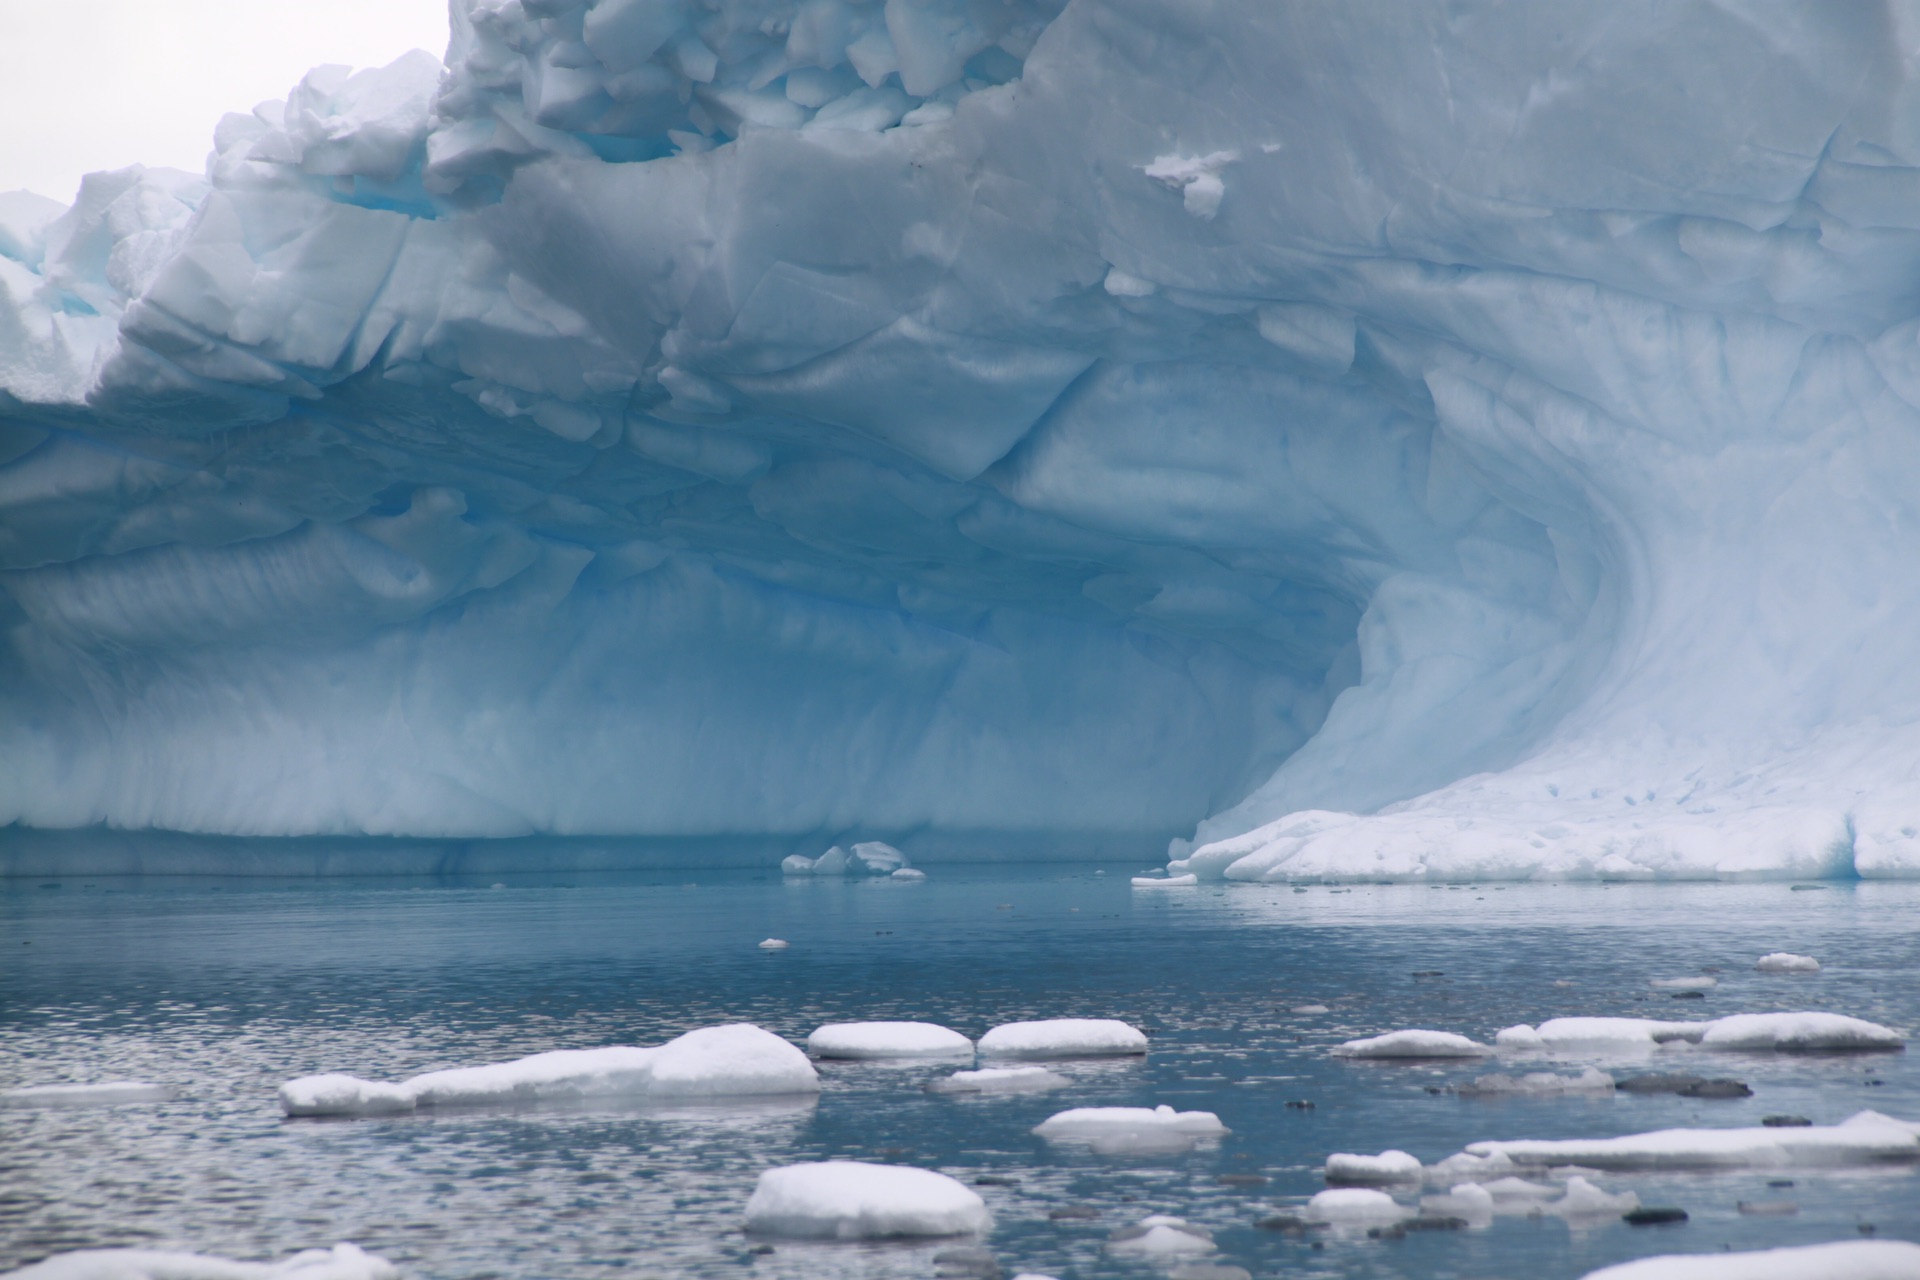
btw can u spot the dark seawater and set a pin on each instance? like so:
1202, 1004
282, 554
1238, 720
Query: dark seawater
224, 989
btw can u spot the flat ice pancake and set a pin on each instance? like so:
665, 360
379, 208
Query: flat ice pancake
874, 1040
1414, 1044
1063, 1038
1866, 1139
1840, 1260
107, 1093
850, 1200
1001, 1080
739, 1060
1132, 1130
1346, 1169
1355, 1205
342, 1262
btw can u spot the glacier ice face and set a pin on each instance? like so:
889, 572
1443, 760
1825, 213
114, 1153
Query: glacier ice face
1411, 444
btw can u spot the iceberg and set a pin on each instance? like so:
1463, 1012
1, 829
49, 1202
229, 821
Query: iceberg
1001, 1081
1027, 428
1132, 1130
1063, 1038
850, 1200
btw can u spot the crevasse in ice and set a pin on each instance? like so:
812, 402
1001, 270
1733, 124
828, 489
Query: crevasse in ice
1402, 442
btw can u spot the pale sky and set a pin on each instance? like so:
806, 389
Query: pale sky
97, 84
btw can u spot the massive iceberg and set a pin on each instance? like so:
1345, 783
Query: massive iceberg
1421, 440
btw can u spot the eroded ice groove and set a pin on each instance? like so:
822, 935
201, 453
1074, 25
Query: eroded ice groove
1840, 1260
705, 1065
811, 419
341, 1262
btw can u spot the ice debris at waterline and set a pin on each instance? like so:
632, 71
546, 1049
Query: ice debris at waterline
107, 1093
1840, 1260
1063, 1038
1537, 1084
342, 1262
851, 1200
874, 1040
1750, 1032
739, 1060
870, 857
1160, 1235
1000, 1080
1786, 962
791, 419
1354, 1205
1132, 1130
1413, 1044
1867, 1138
1345, 1168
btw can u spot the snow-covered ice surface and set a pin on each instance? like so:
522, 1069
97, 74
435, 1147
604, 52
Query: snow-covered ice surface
223, 990
1132, 1130
1414, 1044
1804, 1032
1786, 962
341, 1262
1836, 1260
1355, 1204
1346, 1168
859, 1040
106, 1093
853, 1200
1063, 1038
1863, 1139
703, 1065
1027, 427
1001, 1080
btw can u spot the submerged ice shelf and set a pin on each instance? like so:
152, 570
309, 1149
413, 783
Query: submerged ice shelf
1040, 426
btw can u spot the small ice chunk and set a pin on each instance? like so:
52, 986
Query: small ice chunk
1122, 1129
1197, 178
1354, 1204
1683, 984
796, 864
342, 1262
853, 1200
1311, 1008
1346, 1169
1001, 1080
739, 1060
1585, 1200
877, 858
1511, 1190
1538, 1084
1165, 882
1063, 1038
1599, 1033
834, 862
1467, 1200
1840, 1260
107, 1093
1786, 962
874, 1040
1800, 1032
773, 944
1414, 1044
1494, 1165
908, 874
1866, 1139
1161, 1236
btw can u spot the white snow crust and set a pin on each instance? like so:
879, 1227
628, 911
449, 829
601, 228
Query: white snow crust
1354, 1205
1063, 1038
106, 1093
807, 417
1863, 1140
738, 1060
1161, 1235
1840, 1260
1786, 962
866, 1040
1414, 1044
851, 1200
1347, 1169
1001, 1080
341, 1262
1785, 1032
1132, 1130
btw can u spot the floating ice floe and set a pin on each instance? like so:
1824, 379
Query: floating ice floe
1001, 1080
1063, 1038
107, 1093
869, 857
1354, 1205
875, 1040
1480, 1201
1538, 1084
1311, 1008
908, 875
1683, 984
1841, 1260
1414, 1044
1786, 962
1865, 1139
739, 1060
1346, 1169
1131, 1130
1786, 1032
773, 944
852, 1200
1165, 882
342, 1262
1161, 1236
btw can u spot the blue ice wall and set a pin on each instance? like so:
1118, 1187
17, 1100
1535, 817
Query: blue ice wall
1422, 440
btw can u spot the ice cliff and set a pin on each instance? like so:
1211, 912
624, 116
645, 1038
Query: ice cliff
1404, 440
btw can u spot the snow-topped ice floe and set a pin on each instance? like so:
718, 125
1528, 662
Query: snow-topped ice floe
1001, 1080
107, 1093
1128, 1130
1063, 1038
1346, 1169
1165, 882
1840, 1260
852, 1200
1537, 1084
1414, 1044
875, 1040
869, 857
1784, 1032
739, 1060
1354, 1205
341, 1262
1786, 962
1683, 984
1865, 1139
1160, 1235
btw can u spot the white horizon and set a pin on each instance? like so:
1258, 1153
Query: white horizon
91, 85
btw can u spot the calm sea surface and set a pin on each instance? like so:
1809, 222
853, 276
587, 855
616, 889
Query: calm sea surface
224, 989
